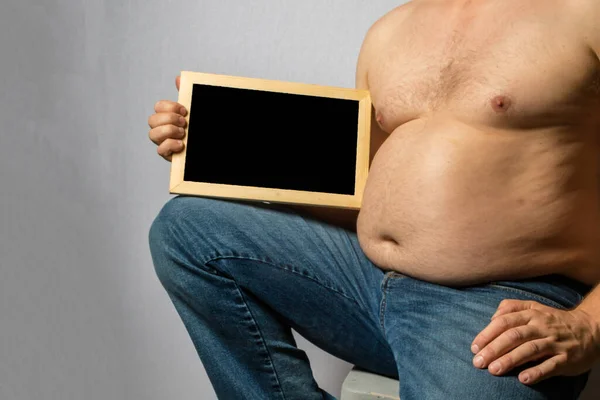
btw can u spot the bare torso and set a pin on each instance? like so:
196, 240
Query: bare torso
490, 169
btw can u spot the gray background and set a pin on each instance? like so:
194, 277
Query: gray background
82, 314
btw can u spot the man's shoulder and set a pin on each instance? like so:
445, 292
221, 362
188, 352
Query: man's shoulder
386, 24
380, 33
397, 17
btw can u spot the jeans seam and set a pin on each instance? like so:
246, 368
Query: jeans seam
539, 298
382, 305
281, 267
263, 342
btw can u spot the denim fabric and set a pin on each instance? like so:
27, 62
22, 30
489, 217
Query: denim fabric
242, 275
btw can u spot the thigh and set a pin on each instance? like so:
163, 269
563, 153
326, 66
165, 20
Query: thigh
312, 275
430, 329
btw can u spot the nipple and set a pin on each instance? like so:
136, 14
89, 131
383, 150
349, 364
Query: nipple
501, 104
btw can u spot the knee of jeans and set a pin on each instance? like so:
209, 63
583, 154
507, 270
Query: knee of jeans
181, 232
184, 217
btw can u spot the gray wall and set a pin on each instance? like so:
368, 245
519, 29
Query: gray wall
82, 314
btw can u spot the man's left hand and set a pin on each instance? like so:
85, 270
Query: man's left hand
523, 331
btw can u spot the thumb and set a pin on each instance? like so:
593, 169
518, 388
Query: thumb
178, 82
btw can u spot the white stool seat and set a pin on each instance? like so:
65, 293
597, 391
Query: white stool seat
362, 385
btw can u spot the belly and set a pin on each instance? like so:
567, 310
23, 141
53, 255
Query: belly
452, 204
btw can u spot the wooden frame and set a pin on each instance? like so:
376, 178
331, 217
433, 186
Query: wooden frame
321, 198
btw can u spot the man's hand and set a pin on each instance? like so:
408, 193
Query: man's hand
167, 126
522, 331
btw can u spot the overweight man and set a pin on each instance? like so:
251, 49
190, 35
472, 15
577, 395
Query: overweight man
470, 270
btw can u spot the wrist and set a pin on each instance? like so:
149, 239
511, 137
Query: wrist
593, 319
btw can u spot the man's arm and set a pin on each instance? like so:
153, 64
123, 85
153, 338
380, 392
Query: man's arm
371, 45
342, 217
591, 304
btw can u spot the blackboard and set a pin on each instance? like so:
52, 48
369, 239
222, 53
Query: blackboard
268, 140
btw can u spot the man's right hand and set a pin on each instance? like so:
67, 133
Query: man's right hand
167, 126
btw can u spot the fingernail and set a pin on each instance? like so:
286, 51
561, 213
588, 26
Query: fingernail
478, 361
181, 120
181, 130
525, 378
475, 348
183, 111
494, 368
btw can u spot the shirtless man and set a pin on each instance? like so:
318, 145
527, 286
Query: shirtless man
471, 273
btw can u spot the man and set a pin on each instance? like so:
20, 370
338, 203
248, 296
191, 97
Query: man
471, 271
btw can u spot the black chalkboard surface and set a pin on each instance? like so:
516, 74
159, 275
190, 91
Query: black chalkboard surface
267, 140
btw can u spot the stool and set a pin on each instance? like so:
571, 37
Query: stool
363, 385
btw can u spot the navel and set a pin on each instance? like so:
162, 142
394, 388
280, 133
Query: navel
501, 104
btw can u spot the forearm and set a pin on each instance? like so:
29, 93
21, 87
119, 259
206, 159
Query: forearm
591, 307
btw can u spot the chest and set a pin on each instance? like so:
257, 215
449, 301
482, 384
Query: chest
504, 68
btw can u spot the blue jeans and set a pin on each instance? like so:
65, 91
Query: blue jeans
242, 276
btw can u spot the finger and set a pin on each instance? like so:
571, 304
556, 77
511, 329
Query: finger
498, 326
178, 82
508, 305
163, 132
168, 106
504, 343
170, 147
159, 119
549, 368
528, 351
